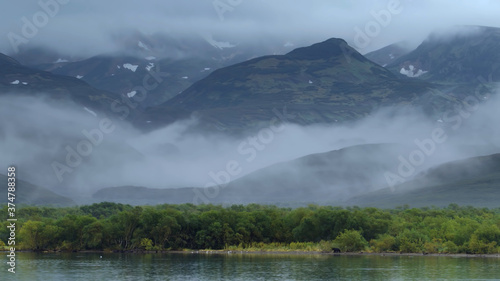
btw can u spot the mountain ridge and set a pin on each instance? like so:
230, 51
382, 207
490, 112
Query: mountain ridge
325, 83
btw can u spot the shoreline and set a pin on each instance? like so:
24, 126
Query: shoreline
388, 254
272, 252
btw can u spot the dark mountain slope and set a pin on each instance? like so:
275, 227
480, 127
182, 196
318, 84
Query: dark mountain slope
16, 78
322, 83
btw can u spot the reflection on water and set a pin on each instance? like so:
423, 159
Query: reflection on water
90, 266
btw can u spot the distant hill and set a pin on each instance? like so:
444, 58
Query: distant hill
139, 195
473, 181
16, 78
388, 54
329, 177
322, 177
343, 177
29, 194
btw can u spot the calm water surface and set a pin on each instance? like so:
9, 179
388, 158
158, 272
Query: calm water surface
89, 266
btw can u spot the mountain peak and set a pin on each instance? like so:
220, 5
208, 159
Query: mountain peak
332, 47
326, 82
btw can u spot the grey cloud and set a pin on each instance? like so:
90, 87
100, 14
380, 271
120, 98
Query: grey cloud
86, 26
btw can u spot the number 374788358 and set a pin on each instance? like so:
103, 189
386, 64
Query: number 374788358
11, 184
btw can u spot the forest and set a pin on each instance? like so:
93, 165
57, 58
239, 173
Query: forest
119, 227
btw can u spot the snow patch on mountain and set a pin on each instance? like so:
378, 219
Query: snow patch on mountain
14, 82
149, 66
25, 83
90, 111
142, 45
60, 60
217, 44
412, 72
150, 58
131, 67
79, 76
131, 94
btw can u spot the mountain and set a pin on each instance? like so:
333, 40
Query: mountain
329, 177
388, 54
29, 194
349, 176
323, 83
40, 57
172, 63
473, 181
16, 78
458, 55
160, 79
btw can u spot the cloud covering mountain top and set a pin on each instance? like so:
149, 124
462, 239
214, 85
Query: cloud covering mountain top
93, 27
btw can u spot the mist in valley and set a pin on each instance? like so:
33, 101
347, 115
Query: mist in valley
75, 151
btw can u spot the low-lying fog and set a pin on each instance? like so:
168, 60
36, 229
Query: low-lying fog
72, 151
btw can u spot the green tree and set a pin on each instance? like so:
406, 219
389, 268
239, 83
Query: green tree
450, 248
411, 241
164, 231
92, 235
351, 241
37, 235
384, 243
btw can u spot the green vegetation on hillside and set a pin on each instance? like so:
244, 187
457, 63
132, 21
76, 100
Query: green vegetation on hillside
110, 226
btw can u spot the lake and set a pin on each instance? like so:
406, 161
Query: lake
179, 266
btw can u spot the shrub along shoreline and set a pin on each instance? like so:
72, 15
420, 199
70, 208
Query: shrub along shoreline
256, 228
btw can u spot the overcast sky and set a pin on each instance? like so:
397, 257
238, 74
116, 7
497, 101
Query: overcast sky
87, 26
